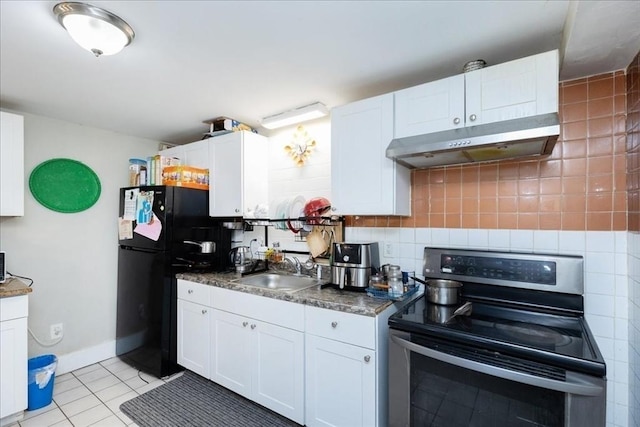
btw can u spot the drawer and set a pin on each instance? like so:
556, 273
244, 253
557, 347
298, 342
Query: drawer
194, 292
14, 307
282, 313
340, 326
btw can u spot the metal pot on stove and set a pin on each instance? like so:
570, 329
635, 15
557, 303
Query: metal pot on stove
205, 247
443, 292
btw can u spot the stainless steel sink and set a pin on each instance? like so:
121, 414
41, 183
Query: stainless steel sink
279, 282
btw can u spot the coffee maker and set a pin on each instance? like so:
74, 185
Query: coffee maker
352, 264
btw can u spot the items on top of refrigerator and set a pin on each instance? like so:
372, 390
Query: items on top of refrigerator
186, 176
137, 172
157, 164
149, 171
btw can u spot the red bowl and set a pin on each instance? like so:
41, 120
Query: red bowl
316, 207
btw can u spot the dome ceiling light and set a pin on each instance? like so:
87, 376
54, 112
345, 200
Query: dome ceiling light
95, 29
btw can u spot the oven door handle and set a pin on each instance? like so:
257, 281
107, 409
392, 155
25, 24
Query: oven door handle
576, 383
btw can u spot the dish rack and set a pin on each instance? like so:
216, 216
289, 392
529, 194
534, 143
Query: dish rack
381, 294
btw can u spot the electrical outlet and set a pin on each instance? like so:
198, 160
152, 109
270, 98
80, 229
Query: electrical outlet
56, 331
388, 250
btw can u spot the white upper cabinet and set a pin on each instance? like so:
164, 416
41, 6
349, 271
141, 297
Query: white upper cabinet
515, 89
238, 174
194, 154
520, 88
430, 107
363, 180
11, 164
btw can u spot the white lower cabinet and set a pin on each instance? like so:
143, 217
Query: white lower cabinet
13, 358
260, 361
316, 366
194, 336
230, 347
343, 370
340, 383
257, 350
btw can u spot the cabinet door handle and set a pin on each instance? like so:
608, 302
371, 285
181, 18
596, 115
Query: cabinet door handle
473, 117
334, 324
367, 359
190, 291
237, 210
456, 121
244, 324
204, 311
253, 326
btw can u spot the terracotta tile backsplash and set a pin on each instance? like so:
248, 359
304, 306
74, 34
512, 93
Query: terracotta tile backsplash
582, 185
633, 144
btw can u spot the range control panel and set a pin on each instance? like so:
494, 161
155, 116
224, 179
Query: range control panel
518, 270
526, 270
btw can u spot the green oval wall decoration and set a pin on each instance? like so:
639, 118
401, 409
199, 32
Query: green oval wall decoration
65, 185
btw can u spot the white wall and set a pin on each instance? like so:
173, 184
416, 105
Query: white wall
634, 329
72, 257
287, 181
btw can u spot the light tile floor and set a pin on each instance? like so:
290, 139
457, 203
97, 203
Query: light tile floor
92, 396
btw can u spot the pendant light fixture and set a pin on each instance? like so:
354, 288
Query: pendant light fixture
95, 29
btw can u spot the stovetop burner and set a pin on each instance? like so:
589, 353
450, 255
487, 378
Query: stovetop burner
532, 334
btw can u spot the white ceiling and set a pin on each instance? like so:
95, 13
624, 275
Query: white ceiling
196, 60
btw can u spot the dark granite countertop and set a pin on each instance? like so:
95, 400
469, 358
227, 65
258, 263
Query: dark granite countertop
329, 298
13, 288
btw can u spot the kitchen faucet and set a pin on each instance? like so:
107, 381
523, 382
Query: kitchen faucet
296, 264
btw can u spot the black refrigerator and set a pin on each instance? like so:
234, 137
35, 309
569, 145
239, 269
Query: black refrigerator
152, 250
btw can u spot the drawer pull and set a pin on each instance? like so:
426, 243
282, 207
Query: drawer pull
190, 291
204, 311
367, 359
253, 326
456, 121
334, 324
473, 117
244, 324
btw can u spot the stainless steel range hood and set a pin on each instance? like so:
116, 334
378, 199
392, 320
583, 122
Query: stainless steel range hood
525, 137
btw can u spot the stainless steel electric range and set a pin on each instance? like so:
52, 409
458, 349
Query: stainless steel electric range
524, 356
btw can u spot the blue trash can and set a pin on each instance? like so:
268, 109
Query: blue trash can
42, 371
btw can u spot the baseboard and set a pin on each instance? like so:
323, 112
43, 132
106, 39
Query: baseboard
85, 357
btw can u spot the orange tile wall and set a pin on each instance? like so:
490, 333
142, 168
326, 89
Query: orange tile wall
580, 186
633, 143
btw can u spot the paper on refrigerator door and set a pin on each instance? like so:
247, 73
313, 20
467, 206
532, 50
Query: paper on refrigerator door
130, 203
151, 230
125, 229
144, 208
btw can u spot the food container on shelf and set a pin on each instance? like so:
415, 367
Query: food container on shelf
137, 172
186, 176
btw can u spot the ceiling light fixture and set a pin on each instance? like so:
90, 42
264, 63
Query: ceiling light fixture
93, 28
297, 115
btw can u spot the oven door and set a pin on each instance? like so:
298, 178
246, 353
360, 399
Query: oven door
444, 384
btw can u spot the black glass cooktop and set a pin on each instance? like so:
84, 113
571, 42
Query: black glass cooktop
560, 340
